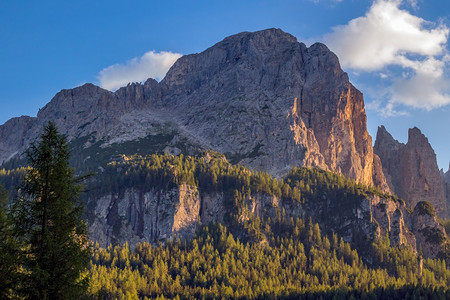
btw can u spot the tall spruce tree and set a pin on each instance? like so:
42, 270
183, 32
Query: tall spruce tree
49, 225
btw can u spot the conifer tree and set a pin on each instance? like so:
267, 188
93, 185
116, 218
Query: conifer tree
48, 223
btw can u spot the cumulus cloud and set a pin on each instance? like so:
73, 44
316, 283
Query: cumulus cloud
387, 36
150, 65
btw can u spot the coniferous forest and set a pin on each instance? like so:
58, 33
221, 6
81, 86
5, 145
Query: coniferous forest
296, 262
273, 257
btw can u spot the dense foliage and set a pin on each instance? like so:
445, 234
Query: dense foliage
212, 173
299, 262
11, 179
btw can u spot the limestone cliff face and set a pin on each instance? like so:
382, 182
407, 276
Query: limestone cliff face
427, 229
275, 103
158, 215
263, 98
411, 169
153, 216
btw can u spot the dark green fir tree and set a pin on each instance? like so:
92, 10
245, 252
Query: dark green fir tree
48, 223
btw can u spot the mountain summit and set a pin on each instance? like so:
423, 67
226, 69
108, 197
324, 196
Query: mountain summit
264, 99
275, 103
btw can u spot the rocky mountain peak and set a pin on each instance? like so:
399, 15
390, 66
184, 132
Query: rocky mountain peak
273, 102
411, 169
239, 58
415, 136
262, 98
261, 39
69, 101
384, 135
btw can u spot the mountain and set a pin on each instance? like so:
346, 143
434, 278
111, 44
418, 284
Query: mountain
264, 99
411, 169
266, 102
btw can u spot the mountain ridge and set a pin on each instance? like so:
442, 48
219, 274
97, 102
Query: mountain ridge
265, 76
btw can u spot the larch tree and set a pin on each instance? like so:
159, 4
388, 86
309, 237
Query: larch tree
48, 222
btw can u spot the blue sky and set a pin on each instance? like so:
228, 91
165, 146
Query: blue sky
395, 51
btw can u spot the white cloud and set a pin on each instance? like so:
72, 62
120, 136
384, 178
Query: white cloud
378, 92
422, 90
383, 36
150, 65
385, 110
388, 36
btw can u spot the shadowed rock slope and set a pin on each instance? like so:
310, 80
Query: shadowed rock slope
411, 169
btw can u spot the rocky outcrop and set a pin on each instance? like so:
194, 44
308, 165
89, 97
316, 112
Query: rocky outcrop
153, 216
393, 220
263, 98
157, 215
447, 175
411, 169
427, 229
